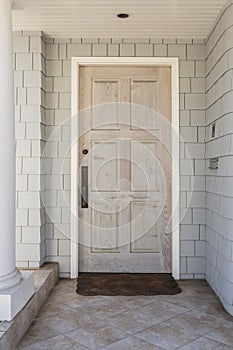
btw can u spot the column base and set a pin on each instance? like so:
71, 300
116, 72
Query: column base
12, 300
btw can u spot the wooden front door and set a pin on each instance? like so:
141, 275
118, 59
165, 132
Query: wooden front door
124, 169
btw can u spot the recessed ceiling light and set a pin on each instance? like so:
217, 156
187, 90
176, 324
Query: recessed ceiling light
122, 15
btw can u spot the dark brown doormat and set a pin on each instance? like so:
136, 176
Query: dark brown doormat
129, 284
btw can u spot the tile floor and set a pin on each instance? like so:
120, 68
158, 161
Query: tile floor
192, 320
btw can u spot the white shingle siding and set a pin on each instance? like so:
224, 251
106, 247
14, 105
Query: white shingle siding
219, 200
44, 102
29, 75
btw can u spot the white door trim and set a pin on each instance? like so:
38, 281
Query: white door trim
119, 61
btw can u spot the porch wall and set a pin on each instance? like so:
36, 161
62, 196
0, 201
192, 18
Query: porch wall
219, 183
54, 174
29, 81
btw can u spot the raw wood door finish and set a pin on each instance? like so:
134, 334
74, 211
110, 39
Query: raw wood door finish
124, 228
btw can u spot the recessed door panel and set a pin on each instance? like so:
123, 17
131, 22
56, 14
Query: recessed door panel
104, 156
145, 227
144, 106
104, 227
105, 95
145, 166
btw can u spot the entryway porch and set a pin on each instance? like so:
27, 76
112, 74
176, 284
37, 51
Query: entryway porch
193, 319
42, 83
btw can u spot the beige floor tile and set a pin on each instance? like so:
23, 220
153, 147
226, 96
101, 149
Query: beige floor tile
166, 336
36, 333
96, 335
131, 321
162, 311
192, 301
205, 344
56, 343
132, 302
75, 300
131, 343
51, 308
196, 321
35, 346
65, 286
193, 284
216, 309
67, 321
62, 343
101, 309
222, 334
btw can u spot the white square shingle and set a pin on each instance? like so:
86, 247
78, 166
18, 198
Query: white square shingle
54, 68
20, 131
196, 265
74, 50
66, 71
186, 69
31, 166
62, 84
113, 50
30, 113
195, 101
99, 50
62, 51
30, 200
18, 79
35, 44
31, 235
160, 50
20, 44
23, 148
189, 232
145, 50
200, 69
34, 96
64, 247
51, 247
33, 131
177, 51
187, 248
188, 134
196, 52
23, 61
127, 49
52, 51
32, 79
21, 96
185, 85
198, 85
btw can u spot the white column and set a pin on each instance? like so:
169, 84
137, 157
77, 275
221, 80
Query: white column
12, 298
9, 276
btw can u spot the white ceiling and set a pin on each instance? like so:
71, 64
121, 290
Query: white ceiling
97, 18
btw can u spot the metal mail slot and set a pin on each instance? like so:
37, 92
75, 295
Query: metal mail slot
84, 187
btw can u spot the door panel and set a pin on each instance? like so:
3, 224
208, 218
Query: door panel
144, 229
104, 172
143, 93
124, 228
144, 166
105, 93
105, 224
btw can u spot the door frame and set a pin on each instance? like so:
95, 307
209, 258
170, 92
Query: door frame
125, 61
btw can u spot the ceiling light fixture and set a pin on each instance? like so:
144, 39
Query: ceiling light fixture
123, 15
